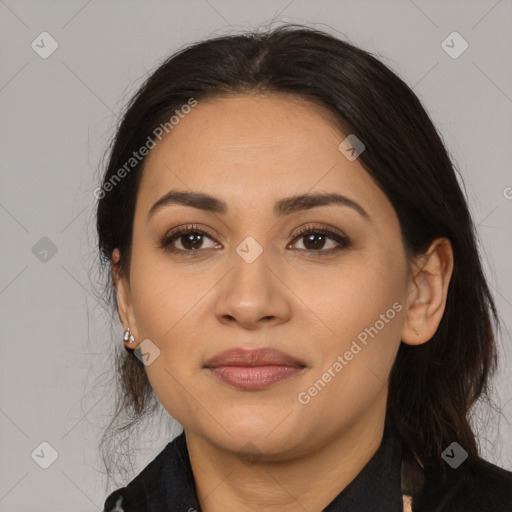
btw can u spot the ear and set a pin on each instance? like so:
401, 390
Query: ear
124, 305
428, 288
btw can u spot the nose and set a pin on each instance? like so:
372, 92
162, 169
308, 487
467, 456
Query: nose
253, 295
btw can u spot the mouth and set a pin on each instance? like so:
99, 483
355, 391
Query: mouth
254, 369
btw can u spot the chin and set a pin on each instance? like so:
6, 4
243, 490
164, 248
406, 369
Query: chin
256, 435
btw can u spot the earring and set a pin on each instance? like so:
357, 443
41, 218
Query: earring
130, 338
416, 331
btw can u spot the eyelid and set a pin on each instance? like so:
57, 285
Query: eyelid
338, 236
293, 233
192, 227
312, 226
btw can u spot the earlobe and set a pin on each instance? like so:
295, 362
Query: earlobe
428, 289
124, 306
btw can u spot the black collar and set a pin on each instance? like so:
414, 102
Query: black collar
167, 483
376, 487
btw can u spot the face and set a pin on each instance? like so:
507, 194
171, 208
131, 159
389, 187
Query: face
245, 276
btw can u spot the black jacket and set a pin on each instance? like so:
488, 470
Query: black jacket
167, 484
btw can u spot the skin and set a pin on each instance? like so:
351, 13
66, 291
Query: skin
251, 151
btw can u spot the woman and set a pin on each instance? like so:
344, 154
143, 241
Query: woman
297, 274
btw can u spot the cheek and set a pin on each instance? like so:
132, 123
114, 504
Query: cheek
351, 296
362, 306
162, 293
165, 305
353, 365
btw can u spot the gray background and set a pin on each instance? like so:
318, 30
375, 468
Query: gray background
57, 116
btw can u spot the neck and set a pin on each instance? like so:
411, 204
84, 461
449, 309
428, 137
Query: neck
224, 482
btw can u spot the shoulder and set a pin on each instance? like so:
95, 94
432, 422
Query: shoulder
479, 486
144, 489
486, 487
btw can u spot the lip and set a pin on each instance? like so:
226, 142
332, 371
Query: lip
254, 369
254, 357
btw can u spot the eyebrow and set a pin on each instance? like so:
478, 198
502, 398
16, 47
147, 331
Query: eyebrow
283, 207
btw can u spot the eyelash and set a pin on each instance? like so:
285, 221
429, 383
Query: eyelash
343, 240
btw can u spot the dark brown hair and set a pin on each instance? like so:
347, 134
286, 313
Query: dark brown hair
432, 386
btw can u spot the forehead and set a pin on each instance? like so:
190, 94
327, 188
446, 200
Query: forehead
231, 128
254, 148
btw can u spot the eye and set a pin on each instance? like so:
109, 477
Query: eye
314, 239
189, 237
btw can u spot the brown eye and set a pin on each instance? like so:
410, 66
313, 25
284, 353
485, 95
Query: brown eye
316, 239
190, 238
